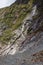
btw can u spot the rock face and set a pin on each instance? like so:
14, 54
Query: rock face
26, 46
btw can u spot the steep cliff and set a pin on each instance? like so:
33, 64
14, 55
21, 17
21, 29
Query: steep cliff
21, 32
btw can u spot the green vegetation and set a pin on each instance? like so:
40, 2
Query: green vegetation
12, 17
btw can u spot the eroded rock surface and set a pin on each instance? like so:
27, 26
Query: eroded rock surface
26, 47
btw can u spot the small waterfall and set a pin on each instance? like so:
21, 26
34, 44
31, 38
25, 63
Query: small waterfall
34, 10
25, 26
13, 49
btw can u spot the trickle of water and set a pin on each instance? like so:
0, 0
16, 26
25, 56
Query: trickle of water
34, 10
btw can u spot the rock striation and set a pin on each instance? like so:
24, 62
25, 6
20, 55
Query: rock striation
25, 46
